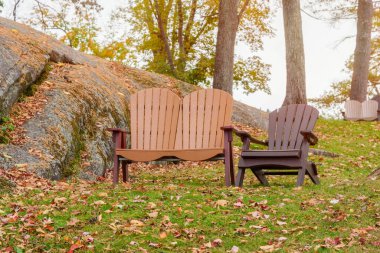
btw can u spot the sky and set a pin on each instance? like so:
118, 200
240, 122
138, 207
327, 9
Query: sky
325, 57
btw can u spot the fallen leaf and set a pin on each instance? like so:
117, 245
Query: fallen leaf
234, 249
221, 202
153, 214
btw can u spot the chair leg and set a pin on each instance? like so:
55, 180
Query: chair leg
260, 176
124, 168
301, 175
240, 177
311, 170
116, 168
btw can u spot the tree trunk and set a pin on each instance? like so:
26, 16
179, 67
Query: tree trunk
225, 46
164, 37
295, 56
182, 61
359, 83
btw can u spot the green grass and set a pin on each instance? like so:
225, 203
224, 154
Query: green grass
185, 207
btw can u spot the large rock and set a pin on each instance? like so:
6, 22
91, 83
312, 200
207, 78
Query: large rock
61, 127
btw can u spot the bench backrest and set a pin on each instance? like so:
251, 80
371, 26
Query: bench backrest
286, 123
160, 120
369, 110
204, 112
377, 98
353, 110
154, 117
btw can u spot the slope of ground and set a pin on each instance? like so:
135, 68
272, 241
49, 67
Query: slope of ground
61, 102
186, 208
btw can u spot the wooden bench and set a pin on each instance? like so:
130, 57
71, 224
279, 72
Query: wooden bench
367, 110
165, 127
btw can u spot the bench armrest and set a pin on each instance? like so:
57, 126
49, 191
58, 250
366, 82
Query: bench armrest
310, 137
118, 130
119, 137
244, 135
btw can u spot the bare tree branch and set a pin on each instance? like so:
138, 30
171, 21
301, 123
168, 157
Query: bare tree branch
243, 8
15, 6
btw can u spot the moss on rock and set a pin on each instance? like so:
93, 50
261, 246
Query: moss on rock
6, 185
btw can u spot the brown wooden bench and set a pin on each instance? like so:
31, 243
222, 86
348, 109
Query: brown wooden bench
165, 127
290, 135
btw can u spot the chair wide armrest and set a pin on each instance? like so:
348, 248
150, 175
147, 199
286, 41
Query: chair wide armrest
310, 137
244, 135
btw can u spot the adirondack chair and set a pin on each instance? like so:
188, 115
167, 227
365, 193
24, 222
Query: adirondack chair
166, 128
367, 110
290, 135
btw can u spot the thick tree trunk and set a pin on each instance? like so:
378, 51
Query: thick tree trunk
295, 56
359, 83
225, 46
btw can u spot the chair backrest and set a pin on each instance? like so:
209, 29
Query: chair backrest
203, 113
353, 110
161, 121
369, 110
286, 123
154, 118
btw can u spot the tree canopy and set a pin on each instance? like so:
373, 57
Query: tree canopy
74, 22
166, 36
178, 38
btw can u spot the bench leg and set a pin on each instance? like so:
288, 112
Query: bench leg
228, 159
116, 167
124, 168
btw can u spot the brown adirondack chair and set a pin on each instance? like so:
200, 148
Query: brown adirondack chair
290, 134
166, 128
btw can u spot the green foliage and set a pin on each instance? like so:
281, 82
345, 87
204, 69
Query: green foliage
134, 36
1, 5
191, 38
252, 75
74, 23
6, 186
6, 127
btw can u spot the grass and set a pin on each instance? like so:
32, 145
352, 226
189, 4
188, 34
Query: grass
186, 208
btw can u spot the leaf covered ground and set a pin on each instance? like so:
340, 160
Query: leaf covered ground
186, 208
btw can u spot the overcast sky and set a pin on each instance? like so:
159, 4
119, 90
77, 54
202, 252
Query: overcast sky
325, 57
